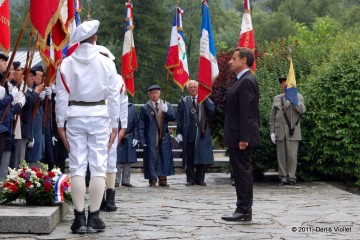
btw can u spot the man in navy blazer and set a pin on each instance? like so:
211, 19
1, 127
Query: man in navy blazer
241, 130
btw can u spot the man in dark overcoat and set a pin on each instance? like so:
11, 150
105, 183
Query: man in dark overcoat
155, 138
126, 149
194, 132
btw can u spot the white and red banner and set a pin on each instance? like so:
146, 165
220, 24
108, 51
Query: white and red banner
5, 25
247, 38
176, 58
128, 60
208, 69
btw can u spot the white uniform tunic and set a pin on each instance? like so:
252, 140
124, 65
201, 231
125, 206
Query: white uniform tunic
87, 76
112, 159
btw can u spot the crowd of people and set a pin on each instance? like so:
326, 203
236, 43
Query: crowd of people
87, 117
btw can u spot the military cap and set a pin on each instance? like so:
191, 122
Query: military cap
16, 65
282, 78
154, 87
3, 56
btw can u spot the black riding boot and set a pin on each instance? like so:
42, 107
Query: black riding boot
95, 224
103, 204
79, 224
110, 200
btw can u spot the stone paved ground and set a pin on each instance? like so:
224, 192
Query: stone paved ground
306, 211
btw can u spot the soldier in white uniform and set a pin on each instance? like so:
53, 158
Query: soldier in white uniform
109, 204
87, 96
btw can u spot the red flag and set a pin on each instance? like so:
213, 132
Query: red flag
247, 38
43, 15
5, 25
129, 61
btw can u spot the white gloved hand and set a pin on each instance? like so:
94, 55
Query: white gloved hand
48, 91
2, 92
54, 140
179, 138
272, 136
42, 95
134, 142
164, 107
21, 99
14, 92
287, 103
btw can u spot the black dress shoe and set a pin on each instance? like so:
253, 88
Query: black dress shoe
282, 183
291, 182
201, 184
238, 217
126, 184
189, 184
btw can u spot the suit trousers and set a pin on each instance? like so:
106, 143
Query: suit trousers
287, 158
195, 173
242, 172
125, 172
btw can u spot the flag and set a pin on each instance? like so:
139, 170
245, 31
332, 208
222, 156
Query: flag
59, 188
129, 61
290, 87
44, 14
5, 25
74, 10
176, 59
247, 38
208, 69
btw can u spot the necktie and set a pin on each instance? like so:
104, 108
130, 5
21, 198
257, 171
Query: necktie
157, 107
194, 102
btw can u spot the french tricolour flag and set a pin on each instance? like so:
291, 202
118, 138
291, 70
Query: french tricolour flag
208, 68
128, 60
72, 23
176, 59
59, 188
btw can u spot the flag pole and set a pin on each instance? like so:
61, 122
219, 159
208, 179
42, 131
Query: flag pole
26, 73
15, 48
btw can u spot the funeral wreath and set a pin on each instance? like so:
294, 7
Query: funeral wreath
35, 186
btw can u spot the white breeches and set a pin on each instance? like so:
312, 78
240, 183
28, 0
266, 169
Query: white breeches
88, 138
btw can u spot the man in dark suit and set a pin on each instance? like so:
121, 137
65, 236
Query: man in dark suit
241, 130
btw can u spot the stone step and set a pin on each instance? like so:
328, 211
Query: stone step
19, 218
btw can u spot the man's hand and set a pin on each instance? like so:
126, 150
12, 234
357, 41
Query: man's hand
42, 95
134, 142
62, 134
113, 134
272, 136
39, 88
164, 107
2, 92
179, 138
54, 140
243, 145
121, 134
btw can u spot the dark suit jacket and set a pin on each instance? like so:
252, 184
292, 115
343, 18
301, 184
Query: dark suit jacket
241, 109
27, 112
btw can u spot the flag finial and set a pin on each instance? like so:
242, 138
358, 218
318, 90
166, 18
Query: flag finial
89, 13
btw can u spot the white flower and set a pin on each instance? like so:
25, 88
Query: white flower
38, 184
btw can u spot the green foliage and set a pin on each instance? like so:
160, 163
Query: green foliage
333, 98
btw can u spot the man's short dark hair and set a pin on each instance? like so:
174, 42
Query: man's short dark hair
246, 53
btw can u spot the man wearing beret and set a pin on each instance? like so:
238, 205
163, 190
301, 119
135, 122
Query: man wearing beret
87, 99
285, 132
155, 138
